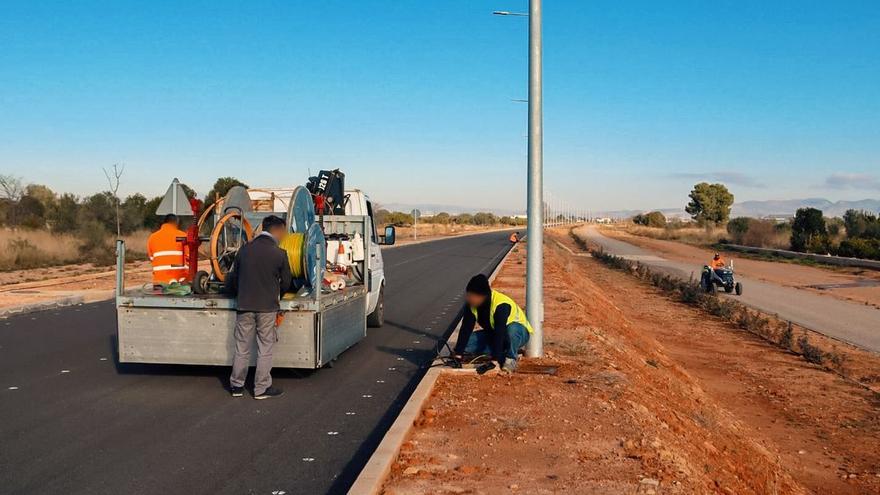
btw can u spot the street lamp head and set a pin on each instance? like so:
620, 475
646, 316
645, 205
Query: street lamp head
501, 12
506, 12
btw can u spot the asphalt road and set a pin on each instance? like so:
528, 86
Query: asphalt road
857, 324
72, 420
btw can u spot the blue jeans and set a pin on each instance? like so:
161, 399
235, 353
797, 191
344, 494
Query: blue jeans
481, 343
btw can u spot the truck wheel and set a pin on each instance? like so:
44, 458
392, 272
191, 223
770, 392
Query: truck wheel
728, 289
739, 289
377, 317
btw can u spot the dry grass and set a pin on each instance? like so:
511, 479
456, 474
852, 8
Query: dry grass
22, 249
690, 235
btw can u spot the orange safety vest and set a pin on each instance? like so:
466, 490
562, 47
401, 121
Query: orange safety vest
717, 264
168, 255
514, 238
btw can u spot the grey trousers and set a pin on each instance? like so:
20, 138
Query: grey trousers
246, 325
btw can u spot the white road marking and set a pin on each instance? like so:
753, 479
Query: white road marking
367, 396
103, 359
65, 371
308, 459
13, 388
350, 413
392, 369
380, 381
333, 433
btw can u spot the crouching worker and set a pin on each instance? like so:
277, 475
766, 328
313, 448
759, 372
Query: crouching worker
259, 277
505, 327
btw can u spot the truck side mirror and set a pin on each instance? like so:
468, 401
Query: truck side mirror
389, 237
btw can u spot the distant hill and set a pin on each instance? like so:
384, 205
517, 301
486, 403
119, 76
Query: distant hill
783, 208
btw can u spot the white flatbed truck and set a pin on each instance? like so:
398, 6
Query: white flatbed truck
317, 325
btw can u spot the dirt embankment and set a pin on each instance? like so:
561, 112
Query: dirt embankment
851, 284
651, 397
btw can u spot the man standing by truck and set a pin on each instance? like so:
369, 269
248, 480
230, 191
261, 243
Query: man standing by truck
259, 277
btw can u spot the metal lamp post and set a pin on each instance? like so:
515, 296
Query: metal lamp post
535, 252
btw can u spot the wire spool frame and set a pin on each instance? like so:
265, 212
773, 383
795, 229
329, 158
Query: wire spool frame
231, 233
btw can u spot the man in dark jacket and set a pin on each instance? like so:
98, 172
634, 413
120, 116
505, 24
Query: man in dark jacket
259, 277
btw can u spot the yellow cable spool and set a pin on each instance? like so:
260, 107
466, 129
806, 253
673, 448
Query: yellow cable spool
293, 244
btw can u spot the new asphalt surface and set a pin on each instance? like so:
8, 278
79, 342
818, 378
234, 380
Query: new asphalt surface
73, 420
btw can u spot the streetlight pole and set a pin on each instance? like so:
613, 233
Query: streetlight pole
535, 251
536, 217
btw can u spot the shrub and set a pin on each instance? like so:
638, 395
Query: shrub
860, 248
652, 219
737, 228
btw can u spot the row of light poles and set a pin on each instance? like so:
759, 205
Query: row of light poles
557, 212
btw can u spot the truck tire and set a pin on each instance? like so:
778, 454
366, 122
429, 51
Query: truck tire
377, 317
739, 289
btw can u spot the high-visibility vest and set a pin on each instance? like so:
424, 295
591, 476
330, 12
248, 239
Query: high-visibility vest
513, 237
517, 315
167, 255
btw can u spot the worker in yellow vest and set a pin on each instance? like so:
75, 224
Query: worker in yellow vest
505, 329
167, 254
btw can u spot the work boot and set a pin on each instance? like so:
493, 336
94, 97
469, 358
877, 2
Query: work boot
509, 365
269, 393
236, 391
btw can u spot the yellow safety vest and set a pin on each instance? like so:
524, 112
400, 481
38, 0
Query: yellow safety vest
517, 315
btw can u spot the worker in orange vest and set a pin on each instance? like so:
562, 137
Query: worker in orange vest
167, 254
514, 237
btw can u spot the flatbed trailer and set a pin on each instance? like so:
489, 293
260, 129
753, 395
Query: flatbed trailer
317, 325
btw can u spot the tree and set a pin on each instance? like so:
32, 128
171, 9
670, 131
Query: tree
861, 224
710, 203
485, 218
808, 231
134, 212
221, 187
98, 209
63, 216
12, 189
151, 220
31, 213
114, 174
442, 218
42, 194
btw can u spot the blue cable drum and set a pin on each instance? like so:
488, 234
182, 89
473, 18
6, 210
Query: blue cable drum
314, 241
300, 211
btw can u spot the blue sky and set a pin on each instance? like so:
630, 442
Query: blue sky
413, 99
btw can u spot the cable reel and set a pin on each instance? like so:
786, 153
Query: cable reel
304, 239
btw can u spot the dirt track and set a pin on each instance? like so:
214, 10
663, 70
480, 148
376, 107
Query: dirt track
850, 284
651, 397
847, 321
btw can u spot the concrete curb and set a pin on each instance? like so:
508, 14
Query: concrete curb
40, 306
372, 477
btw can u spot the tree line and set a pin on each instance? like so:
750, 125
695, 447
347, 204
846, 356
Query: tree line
400, 219
855, 235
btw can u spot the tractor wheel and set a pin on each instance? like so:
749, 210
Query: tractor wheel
739, 289
728, 288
